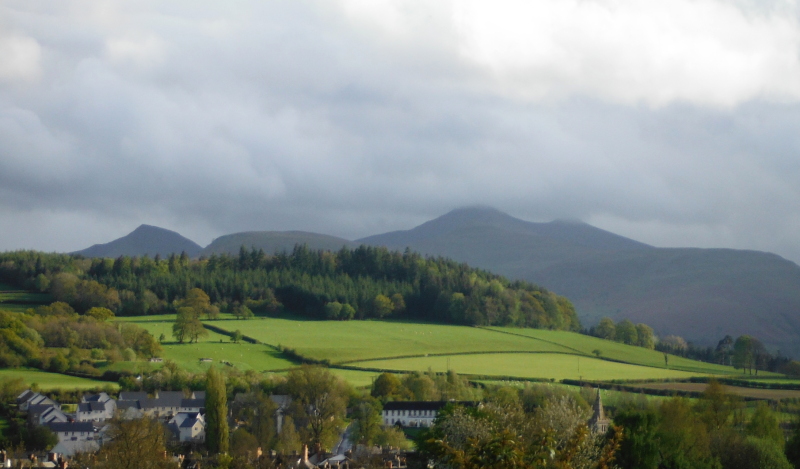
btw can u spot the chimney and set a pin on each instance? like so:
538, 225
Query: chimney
305, 453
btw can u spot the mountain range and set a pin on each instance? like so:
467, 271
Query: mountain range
699, 294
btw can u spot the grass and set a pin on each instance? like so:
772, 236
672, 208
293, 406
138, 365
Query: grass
555, 366
774, 394
243, 356
18, 301
620, 352
406, 346
49, 381
345, 341
358, 379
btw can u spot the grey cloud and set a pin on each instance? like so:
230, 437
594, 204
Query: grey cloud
288, 115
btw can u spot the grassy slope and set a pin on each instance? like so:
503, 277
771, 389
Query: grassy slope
342, 341
620, 352
529, 365
48, 381
357, 341
243, 356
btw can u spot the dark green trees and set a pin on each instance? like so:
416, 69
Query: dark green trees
216, 412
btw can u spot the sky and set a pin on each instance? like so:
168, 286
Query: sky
674, 123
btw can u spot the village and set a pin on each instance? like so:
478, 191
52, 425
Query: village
183, 416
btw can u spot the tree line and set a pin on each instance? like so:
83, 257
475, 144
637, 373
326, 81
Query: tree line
361, 283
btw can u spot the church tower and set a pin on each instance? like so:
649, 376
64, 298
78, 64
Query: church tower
598, 423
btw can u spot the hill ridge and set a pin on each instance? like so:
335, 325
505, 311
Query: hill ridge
144, 240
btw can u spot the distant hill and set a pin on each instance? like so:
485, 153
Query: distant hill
145, 239
700, 294
274, 241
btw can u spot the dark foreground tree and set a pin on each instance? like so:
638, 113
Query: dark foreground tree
216, 412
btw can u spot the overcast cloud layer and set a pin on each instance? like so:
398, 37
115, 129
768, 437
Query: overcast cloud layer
675, 123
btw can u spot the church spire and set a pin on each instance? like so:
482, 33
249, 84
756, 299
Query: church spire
598, 423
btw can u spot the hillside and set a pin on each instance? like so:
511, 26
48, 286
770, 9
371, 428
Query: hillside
700, 294
274, 241
145, 239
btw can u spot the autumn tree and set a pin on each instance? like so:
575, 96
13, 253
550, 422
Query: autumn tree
382, 306
318, 398
188, 326
645, 337
131, 444
606, 329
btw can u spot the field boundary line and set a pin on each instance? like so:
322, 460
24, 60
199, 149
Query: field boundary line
425, 355
614, 360
533, 338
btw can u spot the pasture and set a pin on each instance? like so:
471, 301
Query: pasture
15, 300
405, 346
620, 352
554, 366
48, 381
244, 356
757, 393
347, 341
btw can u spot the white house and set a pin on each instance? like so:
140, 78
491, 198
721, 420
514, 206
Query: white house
96, 408
415, 413
188, 426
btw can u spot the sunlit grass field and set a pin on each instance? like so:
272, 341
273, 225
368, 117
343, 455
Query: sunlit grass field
529, 365
405, 346
48, 381
244, 356
343, 341
621, 352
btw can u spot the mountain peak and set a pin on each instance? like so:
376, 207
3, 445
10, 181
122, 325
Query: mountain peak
145, 240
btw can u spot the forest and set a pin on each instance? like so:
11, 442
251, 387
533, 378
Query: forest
361, 283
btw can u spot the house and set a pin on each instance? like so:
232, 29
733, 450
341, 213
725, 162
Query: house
156, 360
29, 398
165, 404
44, 414
188, 427
74, 431
96, 408
132, 395
75, 437
129, 409
415, 413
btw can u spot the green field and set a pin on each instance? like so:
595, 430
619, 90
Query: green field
243, 356
345, 341
356, 378
18, 301
528, 365
619, 352
47, 381
405, 346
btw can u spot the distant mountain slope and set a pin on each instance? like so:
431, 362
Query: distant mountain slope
700, 294
273, 241
145, 239
493, 240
